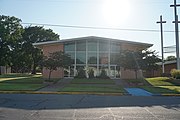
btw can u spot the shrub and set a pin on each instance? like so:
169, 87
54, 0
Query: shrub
91, 73
81, 73
175, 73
103, 74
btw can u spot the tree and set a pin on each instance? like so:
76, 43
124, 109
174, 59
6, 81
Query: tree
137, 60
56, 60
10, 37
34, 35
150, 58
170, 58
130, 60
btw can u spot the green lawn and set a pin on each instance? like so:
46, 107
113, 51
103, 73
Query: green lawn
92, 81
21, 87
21, 82
21, 78
159, 81
90, 88
162, 85
161, 89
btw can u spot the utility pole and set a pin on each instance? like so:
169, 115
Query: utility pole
161, 27
176, 33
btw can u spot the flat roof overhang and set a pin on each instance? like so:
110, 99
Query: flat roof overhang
143, 45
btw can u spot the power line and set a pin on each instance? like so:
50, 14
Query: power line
96, 28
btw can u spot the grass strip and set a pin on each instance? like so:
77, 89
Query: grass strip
92, 81
159, 81
19, 78
86, 88
162, 89
21, 87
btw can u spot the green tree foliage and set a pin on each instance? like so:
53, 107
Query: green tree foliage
150, 58
131, 60
56, 60
34, 35
136, 60
10, 38
170, 58
175, 73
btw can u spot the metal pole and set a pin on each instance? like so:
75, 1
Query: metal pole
177, 42
161, 27
176, 33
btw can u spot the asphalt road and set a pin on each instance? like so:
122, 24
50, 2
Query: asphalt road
87, 107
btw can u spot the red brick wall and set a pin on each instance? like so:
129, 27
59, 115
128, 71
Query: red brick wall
50, 49
157, 73
169, 67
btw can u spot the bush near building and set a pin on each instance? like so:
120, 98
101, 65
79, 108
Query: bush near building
175, 73
81, 73
91, 73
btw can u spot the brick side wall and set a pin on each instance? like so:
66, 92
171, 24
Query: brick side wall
130, 74
50, 49
169, 67
158, 73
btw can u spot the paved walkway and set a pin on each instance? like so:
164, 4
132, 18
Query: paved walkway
57, 86
138, 92
120, 82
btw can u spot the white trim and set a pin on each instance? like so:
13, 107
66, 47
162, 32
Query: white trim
109, 60
98, 58
75, 59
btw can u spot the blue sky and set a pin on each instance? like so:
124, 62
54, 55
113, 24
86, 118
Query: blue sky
142, 14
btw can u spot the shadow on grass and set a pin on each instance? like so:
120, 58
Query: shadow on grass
21, 78
161, 89
20, 82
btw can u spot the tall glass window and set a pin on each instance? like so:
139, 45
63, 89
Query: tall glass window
92, 45
103, 58
114, 58
103, 46
115, 47
81, 46
92, 58
69, 47
81, 57
72, 55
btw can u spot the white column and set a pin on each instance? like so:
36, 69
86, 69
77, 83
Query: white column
75, 60
115, 71
109, 59
69, 71
98, 58
86, 58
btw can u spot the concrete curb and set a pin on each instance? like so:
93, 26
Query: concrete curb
70, 93
78, 93
170, 94
166, 95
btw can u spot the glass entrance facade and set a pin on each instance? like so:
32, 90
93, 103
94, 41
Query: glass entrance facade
93, 54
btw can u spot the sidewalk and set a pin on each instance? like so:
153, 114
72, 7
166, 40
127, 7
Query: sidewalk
120, 82
57, 86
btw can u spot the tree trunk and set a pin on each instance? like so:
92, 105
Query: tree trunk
34, 69
136, 73
50, 74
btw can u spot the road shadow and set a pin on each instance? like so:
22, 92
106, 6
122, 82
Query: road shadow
42, 101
